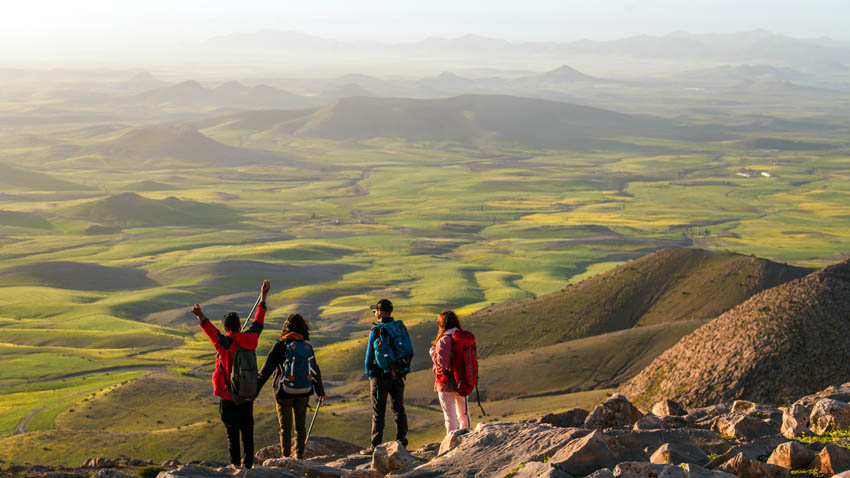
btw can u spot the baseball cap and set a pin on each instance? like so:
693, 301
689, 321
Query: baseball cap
384, 305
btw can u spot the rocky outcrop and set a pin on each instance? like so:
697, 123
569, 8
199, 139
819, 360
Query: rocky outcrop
570, 418
832, 459
666, 408
391, 456
677, 453
317, 446
792, 455
828, 414
617, 411
745, 467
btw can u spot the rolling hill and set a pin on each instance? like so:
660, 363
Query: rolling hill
20, 178
780, 344
74, 276
228, 95
132, 210
468, 119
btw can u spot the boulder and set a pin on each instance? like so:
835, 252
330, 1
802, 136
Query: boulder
696, 471
746, 407
317, 446
639, 440
193, 471
585, 455
571, 418
99, 462
668, 408
602, 473
536, 469
677, 453
834, 392
170, 464
351, 462
758, 450
617, 411
640, 469
649, 422
748, 468
832, 460
828, 414
746, 427
391, 456
792, 455
310, 468
426, 452
495, 449
795, 421
110, 473
451, 440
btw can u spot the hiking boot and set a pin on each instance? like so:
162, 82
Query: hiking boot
367, 451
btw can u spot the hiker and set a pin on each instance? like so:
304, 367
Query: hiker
296, 376
238, 418
388, 356
455, 406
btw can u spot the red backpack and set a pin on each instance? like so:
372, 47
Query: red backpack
464, 362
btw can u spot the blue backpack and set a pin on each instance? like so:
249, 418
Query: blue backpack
298, 369
393, 350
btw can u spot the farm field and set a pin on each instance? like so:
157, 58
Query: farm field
110, 231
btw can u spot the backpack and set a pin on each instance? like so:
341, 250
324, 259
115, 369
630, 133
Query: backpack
464, 362
242, 382
298, 370
393, 350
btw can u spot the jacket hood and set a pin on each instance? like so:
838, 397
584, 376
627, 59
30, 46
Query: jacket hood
292, 335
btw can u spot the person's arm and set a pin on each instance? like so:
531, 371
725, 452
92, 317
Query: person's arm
317, 382
257, 324
370, 354
443, 353
209, 328
273, 360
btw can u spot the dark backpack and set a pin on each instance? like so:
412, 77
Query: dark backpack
298, 368
393, 350
242, 382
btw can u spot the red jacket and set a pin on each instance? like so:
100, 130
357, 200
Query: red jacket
224, 346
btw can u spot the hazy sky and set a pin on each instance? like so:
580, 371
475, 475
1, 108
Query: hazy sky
54, 25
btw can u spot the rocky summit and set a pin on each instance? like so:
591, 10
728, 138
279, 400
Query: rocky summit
782, 343
741, 439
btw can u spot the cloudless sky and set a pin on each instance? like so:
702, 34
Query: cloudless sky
42, 25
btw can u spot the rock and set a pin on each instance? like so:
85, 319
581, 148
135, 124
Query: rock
639, 469
667, 408
391, 456
746, 407
829, 414
495, 449
99, 463
170, 464
792, 455
426, 452
832, 460
536, 469
317, 446
306, 467
649, 422
451, 440
110, 473
617, 411
795, 421
758, 450
705, 440
748, 468
745, 427
696, 471
350, 462
835, 392
263, 472
193, 471
603, 473
571, 418
843, 474
585, 455
677, 453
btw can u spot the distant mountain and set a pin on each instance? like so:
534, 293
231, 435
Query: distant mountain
228, 95
177, 143
730, 74
132, 210
144, 80
345, 91
471, 119
782, 343
563, 73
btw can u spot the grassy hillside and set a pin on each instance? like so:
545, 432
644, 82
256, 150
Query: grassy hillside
17, 178
132, 210
74, 276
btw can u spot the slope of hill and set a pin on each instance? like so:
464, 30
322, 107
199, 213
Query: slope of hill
23, 219
472, 118
782, 343
181, 143
665, 286
74, 276
228, 95
20, 178
132, 210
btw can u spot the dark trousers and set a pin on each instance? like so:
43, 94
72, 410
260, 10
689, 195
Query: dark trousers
380, 387
285, 408
238, 419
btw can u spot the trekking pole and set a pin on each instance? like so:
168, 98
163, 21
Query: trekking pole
251, 314
318, 406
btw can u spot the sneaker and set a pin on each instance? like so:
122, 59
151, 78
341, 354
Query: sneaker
367, 451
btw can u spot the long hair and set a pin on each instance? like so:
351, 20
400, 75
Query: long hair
445, 321
296, 323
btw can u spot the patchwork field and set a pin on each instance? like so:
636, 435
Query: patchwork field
110, 232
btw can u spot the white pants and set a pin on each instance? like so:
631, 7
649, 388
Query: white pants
455, 408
